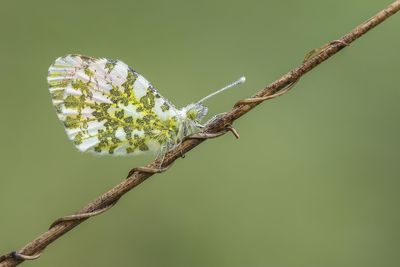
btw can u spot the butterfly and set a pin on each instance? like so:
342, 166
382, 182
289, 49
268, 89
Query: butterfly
108, 108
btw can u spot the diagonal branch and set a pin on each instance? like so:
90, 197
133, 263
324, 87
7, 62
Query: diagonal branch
217, 127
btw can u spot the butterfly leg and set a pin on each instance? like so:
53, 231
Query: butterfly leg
215, 117
200, 126
161, 155
179, 143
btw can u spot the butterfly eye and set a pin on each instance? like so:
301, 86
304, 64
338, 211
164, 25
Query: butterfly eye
191, 114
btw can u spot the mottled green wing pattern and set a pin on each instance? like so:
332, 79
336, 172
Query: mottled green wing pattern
108, 108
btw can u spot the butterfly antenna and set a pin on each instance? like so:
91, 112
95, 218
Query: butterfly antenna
237, 82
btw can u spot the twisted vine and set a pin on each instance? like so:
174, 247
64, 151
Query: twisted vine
217, 127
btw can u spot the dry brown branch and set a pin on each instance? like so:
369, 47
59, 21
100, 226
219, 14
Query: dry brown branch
216, 128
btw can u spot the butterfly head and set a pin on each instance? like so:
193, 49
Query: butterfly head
195, 112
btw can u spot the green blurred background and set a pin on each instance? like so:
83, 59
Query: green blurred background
313, 180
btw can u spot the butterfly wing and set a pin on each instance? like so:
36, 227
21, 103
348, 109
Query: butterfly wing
108, 108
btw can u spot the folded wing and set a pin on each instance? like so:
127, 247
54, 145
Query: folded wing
108, 108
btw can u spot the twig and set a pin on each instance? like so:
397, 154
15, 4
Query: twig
216, 128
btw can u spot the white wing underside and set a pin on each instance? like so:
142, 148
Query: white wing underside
108, 108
